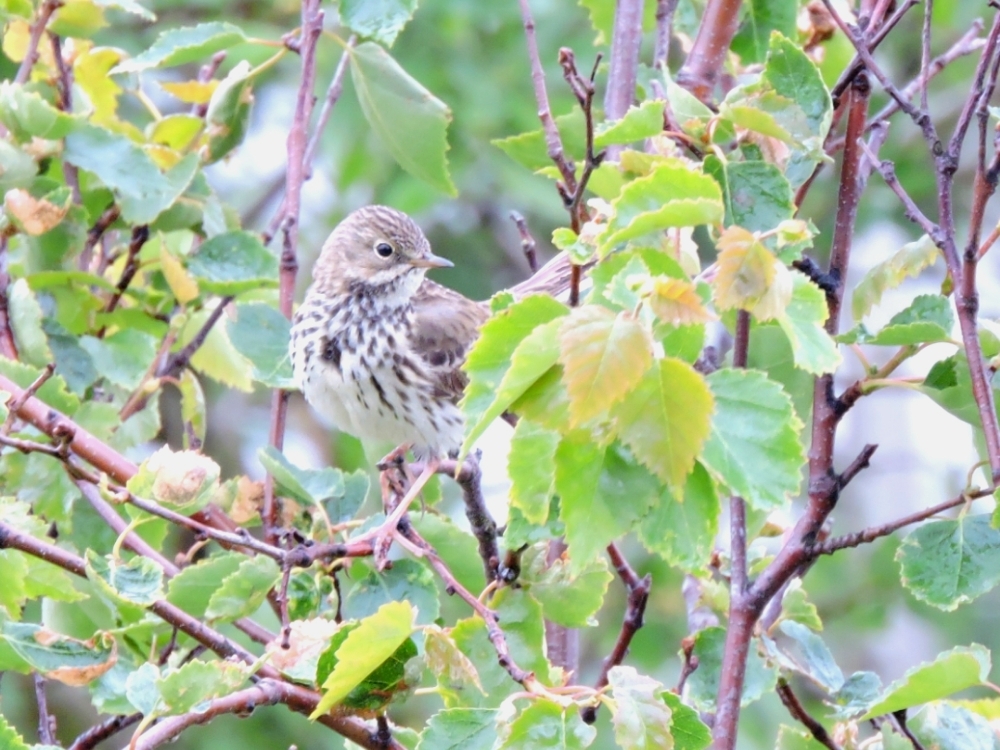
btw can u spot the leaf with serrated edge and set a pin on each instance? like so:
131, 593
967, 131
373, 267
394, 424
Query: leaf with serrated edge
960, 668
754, 446
197, 681
676, 302
910, 260
531, 468
183, 45
747, 270
568, 598
546, 724
813, 348
640, 717
366, 647
603, 356
636, 124
453, 669
460, 729
682, 528
388, 96
665, 419
242, 592
947, 563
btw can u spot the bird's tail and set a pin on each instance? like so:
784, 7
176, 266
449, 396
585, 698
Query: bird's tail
554, 278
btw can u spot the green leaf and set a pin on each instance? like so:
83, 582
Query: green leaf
406, 580
756, 194
927, 320
53, 392
682, 528
26, 324
812, 657
754, 446
568, 598
381, 20
530, 150
192, 588
27, 114
233, 262
952, 671
216, 357
56, 656
241, 593
184, 688
641, 719
604, 356
143, 191
19, 169
790, 738
456, 675
531, 468
858, 694
509, 355
228, 115
672, 195
11, 740
803, 319
792, 74
949, 385
13, 572
388, 96
138, 581
909, 261
760, 18
796, 606
260, 333
665, 419
703, 685
688, 731
366, 647
184, 45
951, 562
125, 356
129, 6
946, 726
308, 486
638, 123
544, 724
182, 480
602, 492
460, 729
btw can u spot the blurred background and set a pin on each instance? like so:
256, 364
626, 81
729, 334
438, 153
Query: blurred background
471, 54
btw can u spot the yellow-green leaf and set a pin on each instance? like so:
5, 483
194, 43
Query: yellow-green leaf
603, 356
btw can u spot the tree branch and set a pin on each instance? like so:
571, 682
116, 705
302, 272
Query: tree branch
102, 731
626, 38
799, 713
700, 71
34, 37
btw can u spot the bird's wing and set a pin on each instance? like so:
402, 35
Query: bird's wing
445, 326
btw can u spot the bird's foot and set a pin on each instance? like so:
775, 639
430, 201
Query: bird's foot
394, 459
382, 536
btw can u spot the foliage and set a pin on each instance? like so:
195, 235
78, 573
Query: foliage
127, 274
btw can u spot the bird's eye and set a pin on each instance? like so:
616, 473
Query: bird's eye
384, 249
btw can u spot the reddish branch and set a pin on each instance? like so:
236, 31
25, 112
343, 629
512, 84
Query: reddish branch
34, 37
312, 28
798, 712
102, 731
638, 595
626, 38
707, 58
665, 10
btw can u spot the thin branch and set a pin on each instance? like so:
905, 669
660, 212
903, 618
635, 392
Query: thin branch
8, 347
665, 10
312, 28
700, 70
179, 360
46, 721
105, 220
857, 65
484, 528
866, 536
925, 52
527, 241
34, 37
452, 586
206, 74
64, 84
626, 38
105, 729
139, 236
553, 142
638, 595
912, 212
799, 713
583, 89
267, 692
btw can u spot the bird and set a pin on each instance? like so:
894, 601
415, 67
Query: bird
377, 348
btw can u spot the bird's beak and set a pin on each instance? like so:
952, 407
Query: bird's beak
431, 261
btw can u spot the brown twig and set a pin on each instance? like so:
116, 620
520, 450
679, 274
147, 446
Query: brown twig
665, 10
553, 142
179, 360
583, 89
484, 528
700, 70
105, 220
139, 236
46, 721
105, 729
312, 27
638, 595
45, 12
799, 713
205, 74
626, 38
857, 65
64, 84
527, 241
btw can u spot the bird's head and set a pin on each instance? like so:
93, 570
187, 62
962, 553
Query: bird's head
376, 246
